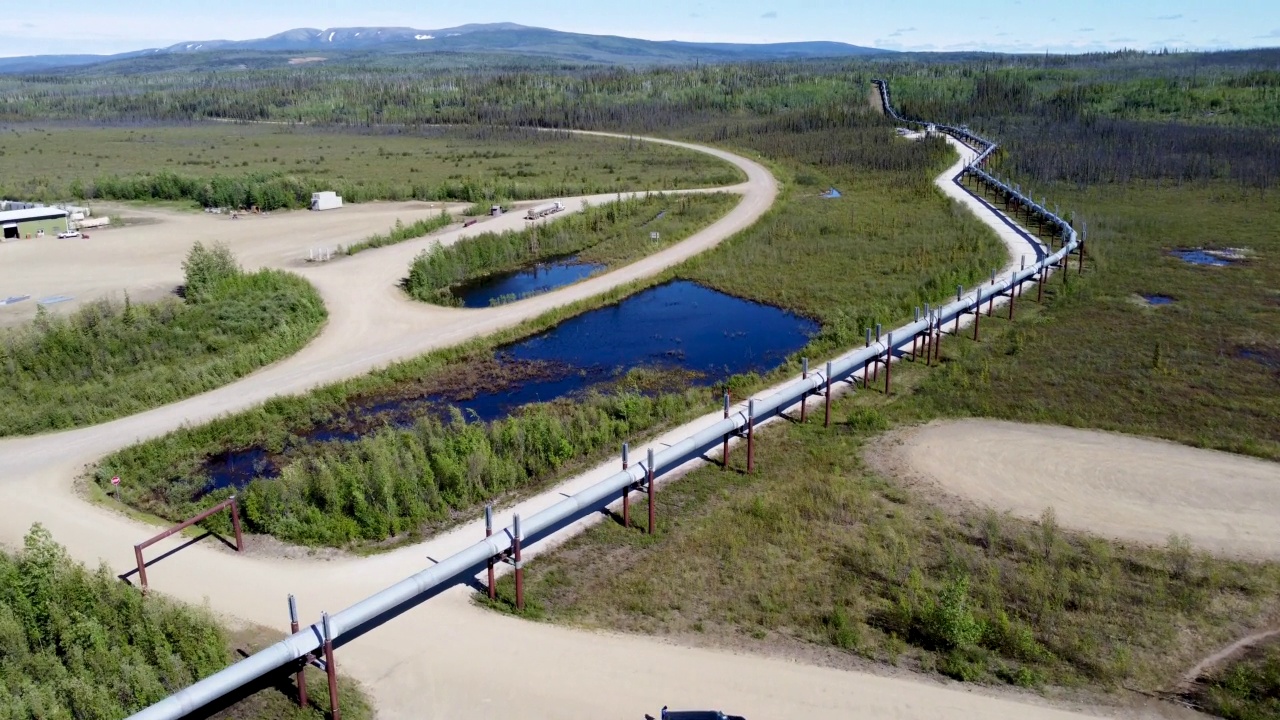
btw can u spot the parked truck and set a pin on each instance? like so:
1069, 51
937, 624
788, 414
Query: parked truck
543, 210
327, 200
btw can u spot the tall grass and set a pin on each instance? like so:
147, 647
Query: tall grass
110, 359
401, 232
1247, 688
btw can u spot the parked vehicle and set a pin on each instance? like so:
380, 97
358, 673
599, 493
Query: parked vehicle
693, 715
543, 210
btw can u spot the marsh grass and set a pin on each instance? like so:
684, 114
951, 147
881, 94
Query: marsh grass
1096, 357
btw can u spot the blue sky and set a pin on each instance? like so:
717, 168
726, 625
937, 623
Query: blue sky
104, 26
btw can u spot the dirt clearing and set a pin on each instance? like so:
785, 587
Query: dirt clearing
1105, 483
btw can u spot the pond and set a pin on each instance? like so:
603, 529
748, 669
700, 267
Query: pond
1212, 258
1159, 299
679, 325
518, 284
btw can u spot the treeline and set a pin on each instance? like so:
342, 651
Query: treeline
1062, 136
274, 191
81, 644
619, 228
110, 359
1113, 104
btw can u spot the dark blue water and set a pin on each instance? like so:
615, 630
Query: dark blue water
1158, 299
678, 325
1267, 358
1200, 257
533, 280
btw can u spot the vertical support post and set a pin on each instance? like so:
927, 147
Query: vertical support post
515, 555
331, 669
724, 454
875, 364
235, 523
991, 304
828, 393
488, 531
1013, 297
977, 314
804, 399
937, 345
915, 339
1084, 233
142, 568
888, 363
959, 297
866, 382
653, 515
626, 491
751, 436
302, 669
1040, 283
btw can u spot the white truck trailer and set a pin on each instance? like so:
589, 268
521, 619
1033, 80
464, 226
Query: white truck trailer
543, 210
327, 200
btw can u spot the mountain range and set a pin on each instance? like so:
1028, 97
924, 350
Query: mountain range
501, 38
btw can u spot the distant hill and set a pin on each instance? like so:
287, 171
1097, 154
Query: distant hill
500, 38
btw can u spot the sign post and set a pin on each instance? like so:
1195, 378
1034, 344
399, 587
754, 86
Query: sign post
115, 482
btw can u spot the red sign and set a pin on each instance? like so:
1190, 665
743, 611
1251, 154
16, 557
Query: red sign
115, 480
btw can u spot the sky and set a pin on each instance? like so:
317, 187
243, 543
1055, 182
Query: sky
1032, 26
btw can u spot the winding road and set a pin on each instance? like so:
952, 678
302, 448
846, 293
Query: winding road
447, 658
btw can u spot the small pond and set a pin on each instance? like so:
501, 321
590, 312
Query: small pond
675, 326
1159, 299
1212, 258
532, 280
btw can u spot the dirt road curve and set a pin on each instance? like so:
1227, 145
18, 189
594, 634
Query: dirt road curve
444, 659
1106, 483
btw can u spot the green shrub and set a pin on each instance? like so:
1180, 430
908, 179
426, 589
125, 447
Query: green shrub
80, 644
110, 359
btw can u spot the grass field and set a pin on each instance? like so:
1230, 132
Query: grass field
53, 163
861, 566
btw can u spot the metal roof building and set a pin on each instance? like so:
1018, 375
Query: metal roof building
32, 222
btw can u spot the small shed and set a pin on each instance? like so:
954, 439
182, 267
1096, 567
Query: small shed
33, 222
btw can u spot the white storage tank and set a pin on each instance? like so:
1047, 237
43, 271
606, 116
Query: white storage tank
327, 200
